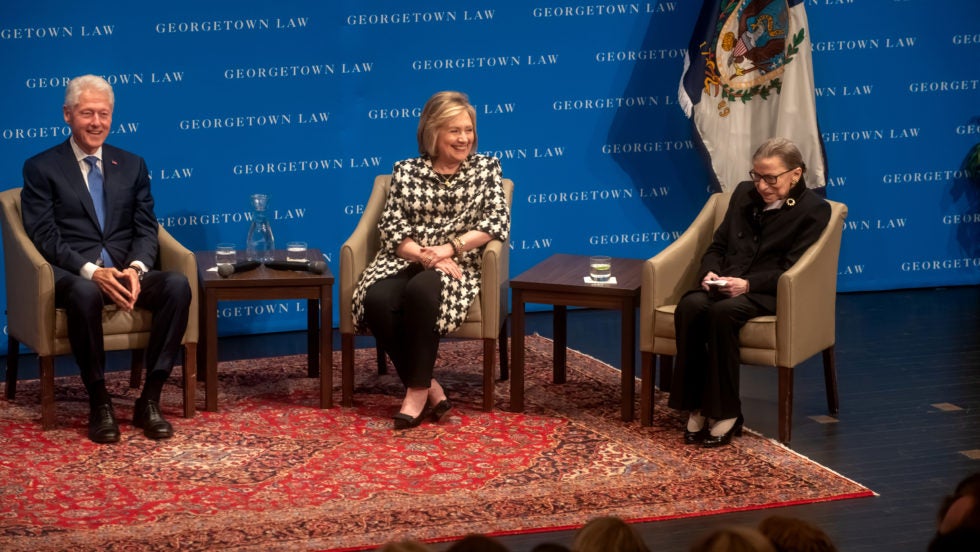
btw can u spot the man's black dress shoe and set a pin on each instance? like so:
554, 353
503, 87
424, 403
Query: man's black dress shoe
146, 415
440, 410
404, 421
102, 427
712, 441
695, 437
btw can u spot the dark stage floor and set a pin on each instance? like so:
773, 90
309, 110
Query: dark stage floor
909, 424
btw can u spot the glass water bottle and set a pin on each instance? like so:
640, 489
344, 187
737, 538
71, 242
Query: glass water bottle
260, 241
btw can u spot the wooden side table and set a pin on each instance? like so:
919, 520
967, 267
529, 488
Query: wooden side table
260, 284
558, 281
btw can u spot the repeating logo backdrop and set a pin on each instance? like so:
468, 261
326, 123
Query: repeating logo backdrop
308, 101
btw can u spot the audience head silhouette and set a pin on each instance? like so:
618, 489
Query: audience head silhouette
958, 525
789, 534
734, 539
608, 534
477, 543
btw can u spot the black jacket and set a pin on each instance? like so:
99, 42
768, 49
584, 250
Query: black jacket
758, 245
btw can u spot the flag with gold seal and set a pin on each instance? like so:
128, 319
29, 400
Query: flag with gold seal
748, 76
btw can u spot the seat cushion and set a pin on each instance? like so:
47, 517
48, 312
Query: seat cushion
757, 339
122, 330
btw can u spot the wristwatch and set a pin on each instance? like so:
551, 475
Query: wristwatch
139, 271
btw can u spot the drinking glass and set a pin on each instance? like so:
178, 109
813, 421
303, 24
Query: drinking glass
600, 268
225, 254
296, 251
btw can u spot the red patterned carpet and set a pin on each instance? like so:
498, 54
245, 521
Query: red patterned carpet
269, 471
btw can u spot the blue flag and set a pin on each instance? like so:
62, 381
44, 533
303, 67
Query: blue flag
748, 76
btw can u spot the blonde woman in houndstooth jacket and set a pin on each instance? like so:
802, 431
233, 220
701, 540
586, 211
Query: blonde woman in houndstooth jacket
442, 208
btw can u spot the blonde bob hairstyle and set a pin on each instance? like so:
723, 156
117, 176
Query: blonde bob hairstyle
440, 108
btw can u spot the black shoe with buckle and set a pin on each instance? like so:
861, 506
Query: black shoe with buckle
146, 415
102, 427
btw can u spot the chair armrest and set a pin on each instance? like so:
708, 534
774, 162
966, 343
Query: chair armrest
30, 293
358, 250
177, 258
30, 281
806, 296
670, 274
493, 278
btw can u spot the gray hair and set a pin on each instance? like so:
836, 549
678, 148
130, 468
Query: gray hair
784, 149
84, 83
440, 108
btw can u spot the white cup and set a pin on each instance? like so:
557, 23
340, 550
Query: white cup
296, 251
225, 254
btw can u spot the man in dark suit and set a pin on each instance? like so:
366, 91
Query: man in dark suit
87, 207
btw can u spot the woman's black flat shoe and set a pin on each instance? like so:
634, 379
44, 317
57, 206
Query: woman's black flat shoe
404, 421
440, 410
711, 441
695, 437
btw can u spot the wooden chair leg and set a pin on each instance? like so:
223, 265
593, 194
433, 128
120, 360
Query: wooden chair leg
830, 380
489, 369
647, 375
136, 368
666, 372
13, 361
347, 369
190, 379
46, 371
504, 358
785, 404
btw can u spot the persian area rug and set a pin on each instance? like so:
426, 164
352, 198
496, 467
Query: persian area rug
271, 471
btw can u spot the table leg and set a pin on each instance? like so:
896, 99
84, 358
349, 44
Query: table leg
560, 351
312, 337
326, 347
648, 374
627, 357
517, 352
211, 362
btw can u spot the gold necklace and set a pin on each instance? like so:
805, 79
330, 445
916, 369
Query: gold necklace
446, 179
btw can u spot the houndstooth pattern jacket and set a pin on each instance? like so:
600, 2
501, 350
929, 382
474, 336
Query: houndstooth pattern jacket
422, 207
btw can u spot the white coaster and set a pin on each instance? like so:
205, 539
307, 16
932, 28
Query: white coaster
589, 280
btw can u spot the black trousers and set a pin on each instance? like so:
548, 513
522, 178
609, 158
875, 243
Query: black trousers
401, 311
706, 371
166, 294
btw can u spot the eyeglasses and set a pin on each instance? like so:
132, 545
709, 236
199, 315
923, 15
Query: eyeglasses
769, 178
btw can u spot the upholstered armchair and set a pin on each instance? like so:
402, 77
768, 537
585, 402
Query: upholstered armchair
804, 323
33, 320
487, 314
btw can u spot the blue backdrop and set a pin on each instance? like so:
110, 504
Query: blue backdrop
308, 101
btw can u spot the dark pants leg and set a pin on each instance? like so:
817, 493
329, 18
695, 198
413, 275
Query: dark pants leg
706, 373
401, 312
168, 296
83, 302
